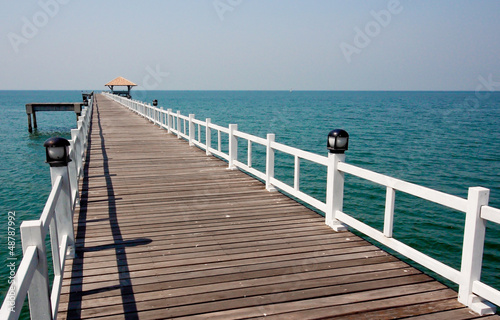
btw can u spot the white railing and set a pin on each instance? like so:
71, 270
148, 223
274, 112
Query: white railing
32, 276
472, 292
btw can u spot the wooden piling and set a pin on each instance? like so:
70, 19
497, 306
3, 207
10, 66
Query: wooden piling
32, 108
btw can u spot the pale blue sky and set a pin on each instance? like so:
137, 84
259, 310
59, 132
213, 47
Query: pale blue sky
250, 44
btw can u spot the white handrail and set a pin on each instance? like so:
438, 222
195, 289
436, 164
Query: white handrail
441, 198
472, 293
57, 217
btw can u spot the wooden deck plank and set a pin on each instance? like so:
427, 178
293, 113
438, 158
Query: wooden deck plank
165, 231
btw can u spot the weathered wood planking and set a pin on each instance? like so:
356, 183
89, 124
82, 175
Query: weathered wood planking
165, 231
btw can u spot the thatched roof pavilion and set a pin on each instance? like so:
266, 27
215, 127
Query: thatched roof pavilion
120, 81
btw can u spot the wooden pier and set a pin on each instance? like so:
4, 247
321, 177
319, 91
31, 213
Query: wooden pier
165, 231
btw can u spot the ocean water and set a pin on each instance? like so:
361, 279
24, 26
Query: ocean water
448, 141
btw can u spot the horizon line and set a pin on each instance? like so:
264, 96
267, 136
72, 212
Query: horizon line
271, 90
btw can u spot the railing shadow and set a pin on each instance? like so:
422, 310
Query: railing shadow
119, 245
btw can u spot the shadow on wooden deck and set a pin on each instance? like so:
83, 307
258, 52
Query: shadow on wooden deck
119, 245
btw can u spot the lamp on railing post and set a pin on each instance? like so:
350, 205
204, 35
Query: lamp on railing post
337, 144
338, 141
156, 114
57, 154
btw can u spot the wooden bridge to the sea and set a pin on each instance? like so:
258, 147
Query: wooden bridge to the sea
164, 230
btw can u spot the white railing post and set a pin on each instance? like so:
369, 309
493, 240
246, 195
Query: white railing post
75, 136
334, 191
390, 199
218, 141
169, 121
64, 209
296, 174
249, 154
162, 112
472, 251
38, 293
80, 126
233, 146
73, 175
191, 129
270, 162
208, 136
178, 124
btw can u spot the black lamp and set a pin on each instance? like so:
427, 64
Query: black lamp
155, 102
57, 151
338, 141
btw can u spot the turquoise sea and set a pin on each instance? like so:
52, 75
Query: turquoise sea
448, 141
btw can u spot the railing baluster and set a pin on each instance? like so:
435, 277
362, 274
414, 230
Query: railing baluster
73, 174
390, 199
270, 162
208, 136
169, 121
178, 124
162, 122
296, 174
218, 139
78, 150
191, 129
233, 146
249, 154
38, 293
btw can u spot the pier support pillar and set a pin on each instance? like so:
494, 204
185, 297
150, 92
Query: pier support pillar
34, 120
31, 111
30, 128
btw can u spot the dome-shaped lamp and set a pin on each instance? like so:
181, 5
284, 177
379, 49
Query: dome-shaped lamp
57, 151
338, 141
